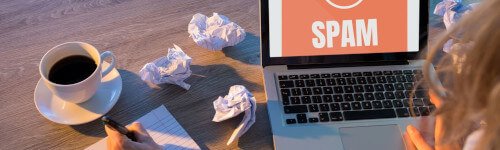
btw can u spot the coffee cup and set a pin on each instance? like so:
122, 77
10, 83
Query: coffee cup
72, 71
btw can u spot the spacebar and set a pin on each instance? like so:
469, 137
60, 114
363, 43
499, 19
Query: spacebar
369, 114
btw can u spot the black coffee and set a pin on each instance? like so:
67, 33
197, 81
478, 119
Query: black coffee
72, 69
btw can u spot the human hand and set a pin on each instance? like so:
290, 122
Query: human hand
117, 141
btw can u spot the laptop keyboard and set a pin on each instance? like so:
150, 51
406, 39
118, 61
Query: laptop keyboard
334, 97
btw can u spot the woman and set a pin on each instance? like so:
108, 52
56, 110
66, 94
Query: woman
471, 89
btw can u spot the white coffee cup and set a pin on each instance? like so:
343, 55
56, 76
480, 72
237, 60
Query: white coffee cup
81, 91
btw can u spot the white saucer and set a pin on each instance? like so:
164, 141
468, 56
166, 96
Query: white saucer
59, 111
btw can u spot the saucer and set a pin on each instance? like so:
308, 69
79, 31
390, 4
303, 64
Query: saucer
57, 110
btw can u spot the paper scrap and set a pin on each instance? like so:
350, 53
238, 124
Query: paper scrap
238, 100
452, 11
215, 32
173, 69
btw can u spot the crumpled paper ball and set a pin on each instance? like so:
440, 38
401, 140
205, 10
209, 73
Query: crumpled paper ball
173, 69
238, 100
216, 32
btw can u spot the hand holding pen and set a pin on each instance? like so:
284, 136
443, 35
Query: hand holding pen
118, 141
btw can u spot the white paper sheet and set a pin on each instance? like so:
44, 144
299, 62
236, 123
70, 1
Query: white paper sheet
164, 130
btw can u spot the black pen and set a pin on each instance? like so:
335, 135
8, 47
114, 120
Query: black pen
118, 127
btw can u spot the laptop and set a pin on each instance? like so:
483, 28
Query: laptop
339, 74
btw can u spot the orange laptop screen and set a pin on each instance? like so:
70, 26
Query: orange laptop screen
338, 27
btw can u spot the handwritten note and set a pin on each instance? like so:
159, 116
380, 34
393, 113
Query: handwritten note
164, 130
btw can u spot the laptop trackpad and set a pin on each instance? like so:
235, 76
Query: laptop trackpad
386, 137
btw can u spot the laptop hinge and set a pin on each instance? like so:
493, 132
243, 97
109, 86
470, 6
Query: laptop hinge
353, 64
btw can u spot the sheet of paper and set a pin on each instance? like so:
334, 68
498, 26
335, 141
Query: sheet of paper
164, 130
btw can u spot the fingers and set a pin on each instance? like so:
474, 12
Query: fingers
417, 138
112, 133
435, 99
141, 134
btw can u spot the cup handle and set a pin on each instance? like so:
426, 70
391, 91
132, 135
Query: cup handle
111, 66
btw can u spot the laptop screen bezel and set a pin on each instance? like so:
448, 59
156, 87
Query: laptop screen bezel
266, 60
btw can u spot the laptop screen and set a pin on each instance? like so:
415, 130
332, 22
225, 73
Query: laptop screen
342, 27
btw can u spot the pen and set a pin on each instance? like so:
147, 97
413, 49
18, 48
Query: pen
118, 127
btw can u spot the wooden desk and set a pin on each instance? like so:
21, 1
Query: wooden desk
137, 32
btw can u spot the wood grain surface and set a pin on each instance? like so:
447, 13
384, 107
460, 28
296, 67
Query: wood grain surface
137, 31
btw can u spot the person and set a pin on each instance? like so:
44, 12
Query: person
469, 93
117, 141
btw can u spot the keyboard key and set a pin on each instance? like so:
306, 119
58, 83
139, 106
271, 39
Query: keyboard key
306, 91
345, 106
310, 83
409, 94
397, 72
323, 117
336, 75
348, 89
391, 79
351, 81
317, 99
336, 116
348, 97
313, 108
315, 76
320, 82
286, 101
379, 87
377, 104
369, 114
306, 99
379, 96
285, 92
410, 78
366, 105
335, 106
327, 98
347, 74
293, 77
361, 80
300, 83
357, 74
407, 71
422, 94
330, 82
295, 100
401, 78
387, 104
291, 121
369, 88
390, 95
282, 77
338, 89
301, 118
387, 72
359, 97
399, 86
397, 103
406, 102
325, 75
369, 96
427, 101
295, 109
371, 80
313, 120
359, 88
418, 102
408, 86
377, 73
389, 87
341, 81
381, 79
402, 112
367, 74
324, 107
286, 84
328, 90
356, 105
415, 111
304, 76
338, 98
417, 71
424, 111
317, 91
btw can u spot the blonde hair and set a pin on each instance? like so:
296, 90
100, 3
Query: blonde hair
471, 89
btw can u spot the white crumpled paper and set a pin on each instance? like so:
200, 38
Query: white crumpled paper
172, 69
216, 32
238, 100
451, 11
